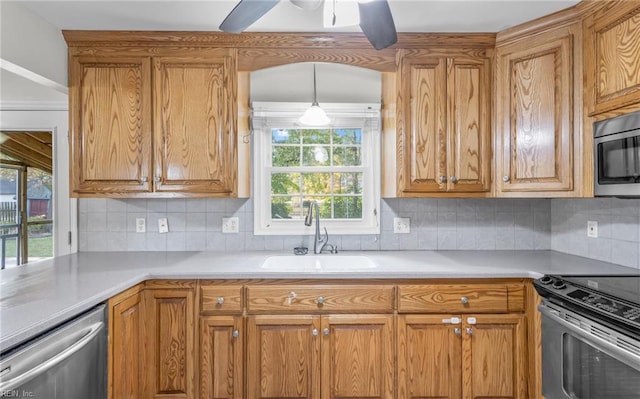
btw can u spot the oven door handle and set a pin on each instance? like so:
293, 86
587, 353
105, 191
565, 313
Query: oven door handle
16, 382
627, 357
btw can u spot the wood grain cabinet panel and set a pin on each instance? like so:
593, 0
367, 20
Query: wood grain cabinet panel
194, 104
110, 113
357, 356
483, 298
283, 357
536, 101
444, 124
221, 357
429, 358
215, 299
170, 338
612, 67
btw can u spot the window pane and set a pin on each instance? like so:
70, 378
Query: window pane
317, 155
316, 136
347, 183
324, 205
285, 156
40, 241
347, 136
347, 207
347, 156
285, 207
285, 136
316, 183
285, 183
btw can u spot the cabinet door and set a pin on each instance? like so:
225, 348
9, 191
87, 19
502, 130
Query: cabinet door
283, 357
221, 357
194, 123
126, 359
535, 108
170, 333
494, 353
469, 126
429, 358
110, 132
422, 127
357, 356
612, 44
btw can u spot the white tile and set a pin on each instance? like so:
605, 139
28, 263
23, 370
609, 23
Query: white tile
447, 239
196, 205
196, 221
390, 241
157, 205
600, 249
370, 243
253, 242
116, 241
177, 221
195, 241
96, 221
137, 205
177, 205
426, 205
96, 241
176, 241
273, 243
446, 220
155, 241
116, 205
234, 242
447, 205
350, 243
625, 253
428, 240
96, 205
116, 221
408, 204
214, 221
136, 242
625, 228
216, 241
409, 242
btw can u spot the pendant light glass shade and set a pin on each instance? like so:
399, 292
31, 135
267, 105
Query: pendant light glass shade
314, 115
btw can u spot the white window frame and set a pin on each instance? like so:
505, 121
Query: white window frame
268, 115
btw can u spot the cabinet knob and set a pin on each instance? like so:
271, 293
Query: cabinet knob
320, 300
464, 300
457, 331
453, 179
469, 330
144, 179
325, 331
156, 179
443, 179
220, 300
314, 332
235, 334
505, 178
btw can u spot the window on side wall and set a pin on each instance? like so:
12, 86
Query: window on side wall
336, 165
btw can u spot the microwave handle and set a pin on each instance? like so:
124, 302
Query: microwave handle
627, 357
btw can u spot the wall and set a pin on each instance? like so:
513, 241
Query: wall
195, 224
618, 229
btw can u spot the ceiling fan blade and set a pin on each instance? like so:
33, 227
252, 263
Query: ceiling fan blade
377, 23
245, 13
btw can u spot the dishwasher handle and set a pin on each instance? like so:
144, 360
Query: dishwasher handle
92, 331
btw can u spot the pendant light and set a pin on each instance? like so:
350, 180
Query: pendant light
314, 115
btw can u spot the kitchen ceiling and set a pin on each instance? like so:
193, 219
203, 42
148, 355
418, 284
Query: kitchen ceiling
409, 15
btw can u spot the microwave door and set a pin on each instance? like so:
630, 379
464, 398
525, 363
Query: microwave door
618, 163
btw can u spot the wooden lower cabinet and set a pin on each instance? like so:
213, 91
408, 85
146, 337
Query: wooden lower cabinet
221, 357
477, 357
329, 356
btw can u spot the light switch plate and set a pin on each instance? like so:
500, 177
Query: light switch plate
163, 225
230, 225
592, 229
402, 225
141, 225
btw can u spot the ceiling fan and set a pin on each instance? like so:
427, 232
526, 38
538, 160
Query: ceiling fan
376, 20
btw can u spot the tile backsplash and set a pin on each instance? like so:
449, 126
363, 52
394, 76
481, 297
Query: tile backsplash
196, 224
618, 220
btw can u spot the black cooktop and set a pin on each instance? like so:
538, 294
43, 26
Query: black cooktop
612, 299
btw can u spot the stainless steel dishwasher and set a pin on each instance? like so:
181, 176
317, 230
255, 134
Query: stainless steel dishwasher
69, 362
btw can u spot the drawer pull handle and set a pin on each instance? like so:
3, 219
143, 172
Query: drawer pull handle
325, 331
235, 334
457, 331
220, 300
314, 332
320, 300
469, 330
464, 300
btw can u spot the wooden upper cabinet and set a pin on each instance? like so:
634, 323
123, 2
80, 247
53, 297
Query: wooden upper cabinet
612, 61
444, 123
110, 113
537, 131
194, 123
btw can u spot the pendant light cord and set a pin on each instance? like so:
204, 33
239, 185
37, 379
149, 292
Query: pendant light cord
315, 98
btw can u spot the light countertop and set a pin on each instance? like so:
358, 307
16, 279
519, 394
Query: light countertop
37, 297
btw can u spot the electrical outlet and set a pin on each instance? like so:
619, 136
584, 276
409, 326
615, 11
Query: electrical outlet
141, 225
163, 225
592, 229
230, 225
402, 225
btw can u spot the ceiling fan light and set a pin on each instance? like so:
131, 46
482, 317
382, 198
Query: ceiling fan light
315, 116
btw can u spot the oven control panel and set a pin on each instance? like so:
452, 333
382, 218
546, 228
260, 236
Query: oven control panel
591, 299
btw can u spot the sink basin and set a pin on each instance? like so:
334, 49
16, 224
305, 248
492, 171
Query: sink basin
318, 263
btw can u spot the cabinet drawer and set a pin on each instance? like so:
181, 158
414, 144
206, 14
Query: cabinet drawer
477, 298
320, 298
221, 298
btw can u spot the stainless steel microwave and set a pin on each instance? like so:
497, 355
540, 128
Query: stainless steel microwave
617, 156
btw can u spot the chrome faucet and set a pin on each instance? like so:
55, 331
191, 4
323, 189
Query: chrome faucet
318, 239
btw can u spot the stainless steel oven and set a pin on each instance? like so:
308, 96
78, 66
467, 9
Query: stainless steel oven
617, 156
590, 339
